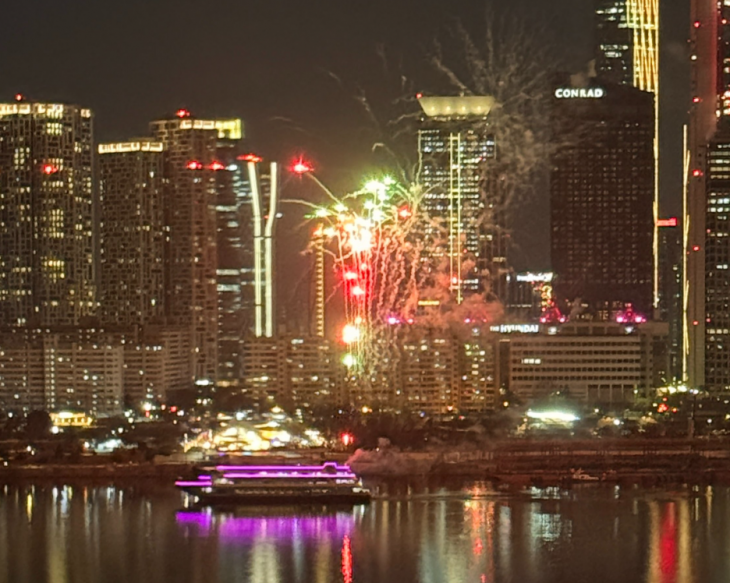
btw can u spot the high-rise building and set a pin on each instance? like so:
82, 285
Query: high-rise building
467, 240
131, 233
717, 261
614, 41
46, 214
705, 188
670, 290
627, 42
627, 51
602, 193
190, 218
234, 250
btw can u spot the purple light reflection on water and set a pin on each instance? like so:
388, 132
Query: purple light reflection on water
241, 528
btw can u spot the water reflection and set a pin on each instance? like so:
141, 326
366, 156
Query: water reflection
67, 534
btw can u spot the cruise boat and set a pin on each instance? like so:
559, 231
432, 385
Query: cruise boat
329, 483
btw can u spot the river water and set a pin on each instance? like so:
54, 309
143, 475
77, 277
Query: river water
145, 534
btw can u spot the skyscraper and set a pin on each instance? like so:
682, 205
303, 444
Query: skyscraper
705, 190
627, 51
717, 261
46, 214
614, 41
467, 237
601, 198
670, 290
627, 42
233, 202
190, 218
131, 233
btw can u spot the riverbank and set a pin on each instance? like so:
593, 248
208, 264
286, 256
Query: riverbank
94, 473
507, 463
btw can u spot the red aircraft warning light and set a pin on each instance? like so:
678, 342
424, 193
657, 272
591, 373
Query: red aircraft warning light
217, 166
49, 169
195, 165
181, 113
301, 167
250, 158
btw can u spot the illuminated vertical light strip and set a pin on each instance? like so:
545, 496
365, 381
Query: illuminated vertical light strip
452, 139
459, 178
685, 245
269, 250
455, 179
319, 281
257, 240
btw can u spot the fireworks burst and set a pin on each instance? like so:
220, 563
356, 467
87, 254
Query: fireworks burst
372, 236
381, 240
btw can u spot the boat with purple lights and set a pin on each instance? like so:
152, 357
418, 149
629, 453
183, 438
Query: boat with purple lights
329, 483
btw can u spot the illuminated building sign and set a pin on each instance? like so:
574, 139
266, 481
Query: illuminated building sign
122, 147
516, 328
535, 277
573, 93
667, 222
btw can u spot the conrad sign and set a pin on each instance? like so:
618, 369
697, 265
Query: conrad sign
573, 93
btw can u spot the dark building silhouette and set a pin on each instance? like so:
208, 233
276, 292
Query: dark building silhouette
670, 290
717, 261
602, 193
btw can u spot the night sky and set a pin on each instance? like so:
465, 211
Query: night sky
289, 69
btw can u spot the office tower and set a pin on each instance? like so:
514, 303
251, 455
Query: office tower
191, 258
466, 240
601, 196
537, 361
670, 290
627, 52
265, 215
710, 33
614, 42
627, 42
233, 202
131, 233
46, 214
717, 261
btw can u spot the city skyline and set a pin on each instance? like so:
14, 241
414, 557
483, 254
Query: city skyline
200, 258
306, 110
